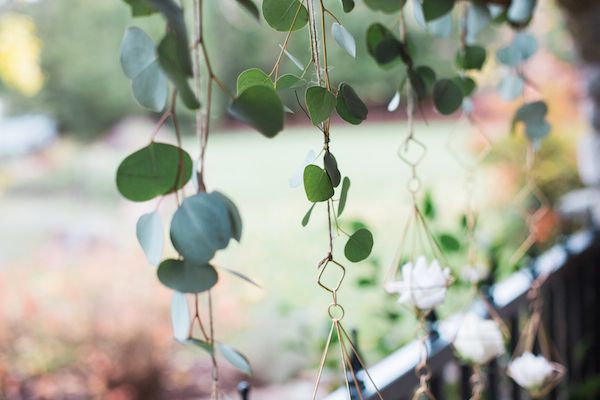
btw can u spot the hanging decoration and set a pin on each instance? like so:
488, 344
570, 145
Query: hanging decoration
537, 373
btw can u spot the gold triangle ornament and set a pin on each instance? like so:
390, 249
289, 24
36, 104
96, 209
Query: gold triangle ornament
534, 332
347, 348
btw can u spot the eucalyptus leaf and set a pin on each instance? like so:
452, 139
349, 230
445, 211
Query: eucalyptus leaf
157, 169
140, 64
344, 39
180, 316
285, 15
441, 27
343, 195
526, 43
382, 45
448, 242
292, 58
472, 57
201, 344
250, 7
261, 108
150, 235
187, 277
359, 245
434, 9
533, 115
394, 102
332, 168
174, 58
306, 218
511, 86
466, 84
252, 77
140, 8
235, 219
201, 226
289, 81
427, 75
348, 5
317, 184
349, 106
386, 6
241, 276
520, 12
235, 358
478, 18
447, 96
320, 103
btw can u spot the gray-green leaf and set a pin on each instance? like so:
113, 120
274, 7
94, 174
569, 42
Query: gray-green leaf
344, 39
235, 358
180, 316
149, 232
140, 64
201, 226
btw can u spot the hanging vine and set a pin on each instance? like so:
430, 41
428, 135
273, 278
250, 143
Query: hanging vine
206, 221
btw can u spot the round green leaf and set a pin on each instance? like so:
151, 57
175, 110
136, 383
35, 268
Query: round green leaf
332, 168
386, 6
359, 245
348, 5
187, 277
252, 77
473, 57
157, 169
343, 195
149, 232
320, 103
509, 55
434, 9
280, 14
466, 84
526, 43
140, 64
261, 108
349, 106
382, 45
317, 184
447, 96
289, 81
201, 226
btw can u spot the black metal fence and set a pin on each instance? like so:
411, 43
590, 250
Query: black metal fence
571, 318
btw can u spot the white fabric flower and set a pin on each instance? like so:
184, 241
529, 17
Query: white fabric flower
530, 371
474, 273
423, 285
478, 340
